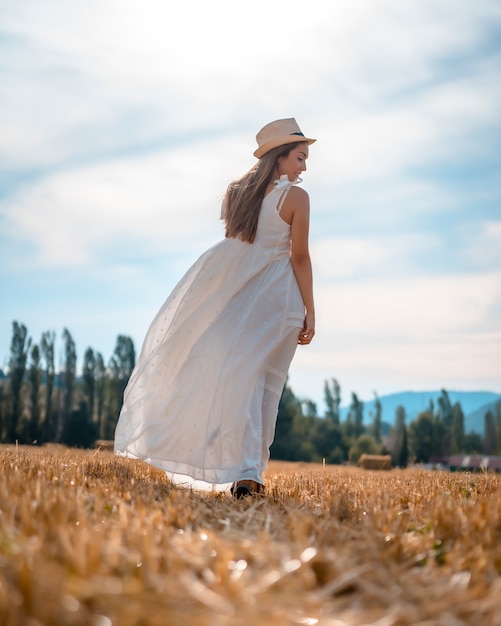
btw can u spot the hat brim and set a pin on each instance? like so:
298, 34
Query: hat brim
281, 141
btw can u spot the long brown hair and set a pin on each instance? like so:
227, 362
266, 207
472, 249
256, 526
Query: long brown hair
244, 196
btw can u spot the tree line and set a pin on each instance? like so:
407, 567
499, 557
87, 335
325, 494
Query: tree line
437, 432
40, 405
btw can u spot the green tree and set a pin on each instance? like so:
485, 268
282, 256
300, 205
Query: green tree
47, 350
289, 410
489, 433
309, 408
2, 409
444, 416
472, 443
444, 411
442, 438
421, 437
332, 395
281, 448
68, 381
497, 419
79, 430
35, 380
427, 434
356, 415
89, 380
400, 451
100, 389
377, 419
457, 428
302, 428
121, 366
364, 444
328, 441
19, 347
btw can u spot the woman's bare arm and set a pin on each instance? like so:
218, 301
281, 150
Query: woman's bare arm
297, 209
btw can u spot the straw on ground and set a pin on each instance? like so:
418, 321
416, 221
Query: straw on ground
87, 538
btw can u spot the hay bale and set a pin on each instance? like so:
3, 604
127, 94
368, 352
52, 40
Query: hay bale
375, 461
105, 445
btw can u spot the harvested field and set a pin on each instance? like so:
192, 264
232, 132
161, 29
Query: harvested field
90, 539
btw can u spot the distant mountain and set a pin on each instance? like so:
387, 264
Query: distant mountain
475, 420
473, 403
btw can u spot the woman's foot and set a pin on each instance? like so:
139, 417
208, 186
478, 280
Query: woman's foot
243, 488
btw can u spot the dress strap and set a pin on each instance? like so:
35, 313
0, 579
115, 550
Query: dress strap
284, 184
281, 200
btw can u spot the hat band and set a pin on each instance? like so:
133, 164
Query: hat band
300, 134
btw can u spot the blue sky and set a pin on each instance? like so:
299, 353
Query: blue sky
121, 123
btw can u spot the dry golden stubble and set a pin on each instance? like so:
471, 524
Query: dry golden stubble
87, 538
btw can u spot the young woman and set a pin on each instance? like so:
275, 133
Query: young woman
202, 401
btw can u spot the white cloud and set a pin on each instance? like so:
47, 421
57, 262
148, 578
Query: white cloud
405, 334
76, 83
370, 255
417, 308
346, 256
162, 202
483, 247
432, 128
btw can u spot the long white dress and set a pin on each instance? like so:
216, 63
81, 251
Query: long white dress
202, 401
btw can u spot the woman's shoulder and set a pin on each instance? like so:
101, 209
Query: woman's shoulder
298, 195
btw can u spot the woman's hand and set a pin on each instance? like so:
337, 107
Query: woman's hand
308, 330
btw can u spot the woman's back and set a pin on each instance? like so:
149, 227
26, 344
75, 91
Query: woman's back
273, 233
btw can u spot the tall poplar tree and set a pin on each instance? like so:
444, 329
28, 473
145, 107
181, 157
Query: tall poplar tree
422, 437
377, 418
489, 433
68, 380
47, 349
356, 415
444, 411
444, 418
457, 429
100, 389
120, 367
285, 445
35, 381
497, 418
332, 397
19, 348
89, 380
400, 452
2, 405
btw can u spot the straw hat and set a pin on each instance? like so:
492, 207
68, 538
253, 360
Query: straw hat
279, 133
